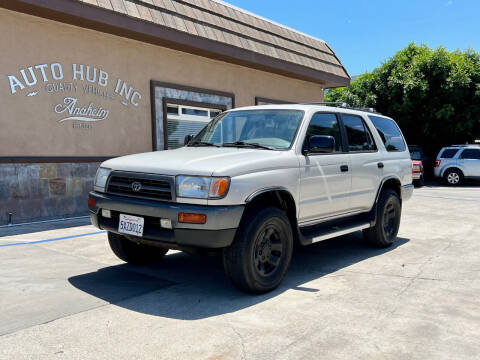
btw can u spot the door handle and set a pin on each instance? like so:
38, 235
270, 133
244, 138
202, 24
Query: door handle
380, 165
344, 168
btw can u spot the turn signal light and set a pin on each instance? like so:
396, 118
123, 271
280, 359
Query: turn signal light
219, 187
192, 218
91, 202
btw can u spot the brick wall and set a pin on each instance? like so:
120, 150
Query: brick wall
44, 191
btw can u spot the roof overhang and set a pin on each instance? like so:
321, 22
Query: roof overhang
103, 20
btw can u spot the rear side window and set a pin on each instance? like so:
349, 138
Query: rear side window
389, 132
448, 153
359, 138
325, 124
470, 154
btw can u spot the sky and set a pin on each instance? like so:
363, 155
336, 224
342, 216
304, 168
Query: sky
364, 33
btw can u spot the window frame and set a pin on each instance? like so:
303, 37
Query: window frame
399, 130
172, 101
342, 134
366, 127
460, 156
179, 115
454, 156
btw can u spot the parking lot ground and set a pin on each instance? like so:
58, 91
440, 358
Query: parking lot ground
63, 294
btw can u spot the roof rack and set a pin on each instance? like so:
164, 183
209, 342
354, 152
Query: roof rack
343, 105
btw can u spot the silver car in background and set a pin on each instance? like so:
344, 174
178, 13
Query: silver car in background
456, 163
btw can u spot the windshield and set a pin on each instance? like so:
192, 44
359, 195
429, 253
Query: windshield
266, 129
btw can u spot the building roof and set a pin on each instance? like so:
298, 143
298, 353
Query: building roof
209, 28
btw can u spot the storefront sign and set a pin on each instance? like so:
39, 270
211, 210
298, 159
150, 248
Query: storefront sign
74, 112
85, 80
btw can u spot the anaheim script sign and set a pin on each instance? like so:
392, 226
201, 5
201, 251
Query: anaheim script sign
85, 80
87, 113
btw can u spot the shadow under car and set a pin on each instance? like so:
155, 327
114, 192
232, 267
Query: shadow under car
191, 287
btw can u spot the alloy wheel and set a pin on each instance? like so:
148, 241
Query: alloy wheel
268, 250
453, 178
390, 220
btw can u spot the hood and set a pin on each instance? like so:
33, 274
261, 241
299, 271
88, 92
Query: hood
204, 161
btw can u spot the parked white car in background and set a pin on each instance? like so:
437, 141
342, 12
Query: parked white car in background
254, 182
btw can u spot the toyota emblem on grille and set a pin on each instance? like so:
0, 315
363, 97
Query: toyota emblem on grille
136, 186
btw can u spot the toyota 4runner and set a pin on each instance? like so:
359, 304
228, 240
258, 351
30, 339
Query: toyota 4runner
255, 182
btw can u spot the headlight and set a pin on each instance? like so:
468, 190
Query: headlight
202, 187
101, 179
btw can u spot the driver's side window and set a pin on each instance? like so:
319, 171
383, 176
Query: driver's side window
325, 124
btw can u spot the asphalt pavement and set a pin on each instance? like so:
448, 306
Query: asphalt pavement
64, 295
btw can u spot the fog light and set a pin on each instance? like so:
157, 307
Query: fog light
166, 223
192, 218
106, 213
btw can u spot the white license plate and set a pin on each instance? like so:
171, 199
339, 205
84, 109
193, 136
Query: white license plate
132, 225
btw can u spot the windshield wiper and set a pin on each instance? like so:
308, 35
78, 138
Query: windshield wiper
202, 143
247, 144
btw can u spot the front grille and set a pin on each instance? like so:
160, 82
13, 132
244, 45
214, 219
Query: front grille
146, 186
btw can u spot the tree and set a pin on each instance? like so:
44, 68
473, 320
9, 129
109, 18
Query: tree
433, 94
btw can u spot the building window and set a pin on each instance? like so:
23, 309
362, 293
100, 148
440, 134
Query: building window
183, 120
178, 110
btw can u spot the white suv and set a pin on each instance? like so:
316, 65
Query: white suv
254, 182
456, 162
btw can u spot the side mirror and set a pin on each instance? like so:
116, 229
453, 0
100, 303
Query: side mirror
188, 138
321, 144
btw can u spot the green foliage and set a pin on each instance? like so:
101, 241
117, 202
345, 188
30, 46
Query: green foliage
433, 94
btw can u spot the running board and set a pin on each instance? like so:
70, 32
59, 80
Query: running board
310, 236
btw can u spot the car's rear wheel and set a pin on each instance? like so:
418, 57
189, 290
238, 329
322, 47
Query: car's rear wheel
260, 255
453, 177
132, 252
389, 211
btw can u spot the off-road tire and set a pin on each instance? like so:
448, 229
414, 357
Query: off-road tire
389, 211
264, 237
453, 177
132, 252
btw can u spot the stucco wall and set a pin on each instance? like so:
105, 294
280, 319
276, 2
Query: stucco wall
30, 117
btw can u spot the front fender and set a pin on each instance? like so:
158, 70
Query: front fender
244, 188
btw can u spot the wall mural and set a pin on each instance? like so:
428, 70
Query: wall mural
85, 80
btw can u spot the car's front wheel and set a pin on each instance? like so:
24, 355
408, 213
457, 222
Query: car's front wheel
389, 211
258, 258
132, 252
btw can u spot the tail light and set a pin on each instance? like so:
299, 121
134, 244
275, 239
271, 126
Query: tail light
437, 163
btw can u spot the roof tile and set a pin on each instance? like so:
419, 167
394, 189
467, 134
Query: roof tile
219, 22
118, 6
131, 9
145, 13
